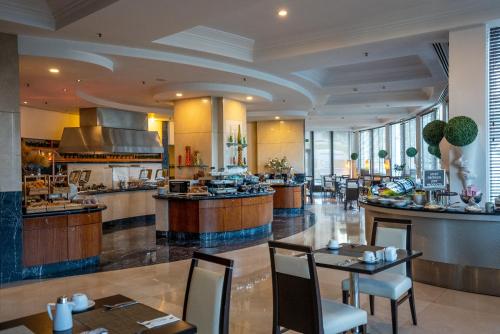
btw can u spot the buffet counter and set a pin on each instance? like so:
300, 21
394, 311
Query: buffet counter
57, 241
126, 204
288, 197
461, 250
211, 217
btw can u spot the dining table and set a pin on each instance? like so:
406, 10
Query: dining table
123, 320
349, 257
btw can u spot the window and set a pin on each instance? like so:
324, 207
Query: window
428, 160
341, 156
365, 151
322, 155
396, 147
410, 131
308, 153
378, 144
494, 113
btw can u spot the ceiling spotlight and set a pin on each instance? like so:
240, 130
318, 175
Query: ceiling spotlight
53, 70
178, 94
282, 13
204, 100
65, 90
249, 98
25, 102
276, 117
78, 80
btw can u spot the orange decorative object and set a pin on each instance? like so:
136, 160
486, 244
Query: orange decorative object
188, 156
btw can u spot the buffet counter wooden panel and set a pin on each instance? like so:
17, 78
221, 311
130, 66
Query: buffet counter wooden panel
219, 215
60, 238
288, 197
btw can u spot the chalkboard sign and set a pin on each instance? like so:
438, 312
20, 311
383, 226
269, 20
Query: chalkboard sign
434, 179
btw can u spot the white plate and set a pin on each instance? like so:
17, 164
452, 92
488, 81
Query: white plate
367, 262
89, 305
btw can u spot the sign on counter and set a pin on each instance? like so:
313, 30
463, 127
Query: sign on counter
434, 179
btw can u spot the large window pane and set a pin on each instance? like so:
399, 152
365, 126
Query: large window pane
341, 153
378, 144
365, 152
428, 161
308, 154
322, 155
410, 130
396, 147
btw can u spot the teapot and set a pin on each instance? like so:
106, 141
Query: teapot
63, 319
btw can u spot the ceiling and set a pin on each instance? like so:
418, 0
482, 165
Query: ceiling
337, 64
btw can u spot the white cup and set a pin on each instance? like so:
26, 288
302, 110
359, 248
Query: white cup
81, 301
368, 256
333, 244
390, 253
380, 255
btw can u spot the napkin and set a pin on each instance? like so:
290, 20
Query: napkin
16, 330
169, 318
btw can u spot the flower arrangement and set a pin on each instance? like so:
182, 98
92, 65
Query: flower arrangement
354, 156
278, 166
460, 131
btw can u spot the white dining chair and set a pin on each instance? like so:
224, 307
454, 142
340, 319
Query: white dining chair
297, 303
208, 295
395, 283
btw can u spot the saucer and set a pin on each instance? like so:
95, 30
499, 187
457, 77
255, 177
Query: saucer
333, 248
90, 304
368, 262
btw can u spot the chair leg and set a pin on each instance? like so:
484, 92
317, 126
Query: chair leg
345, 297
394, 315
363, 329
411, 299
372, 304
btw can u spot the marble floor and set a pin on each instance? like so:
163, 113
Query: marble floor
162, 286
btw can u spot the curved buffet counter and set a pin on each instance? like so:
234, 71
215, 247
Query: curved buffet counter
288, 197
461, 250
58, 241
214, 217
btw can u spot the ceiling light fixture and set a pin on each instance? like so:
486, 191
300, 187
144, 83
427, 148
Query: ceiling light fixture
282, 13
204, 100
25, 102
178, 94
276, 117
249, 98
53, 70
78, 80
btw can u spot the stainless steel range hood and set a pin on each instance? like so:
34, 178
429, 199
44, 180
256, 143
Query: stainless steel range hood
104, 130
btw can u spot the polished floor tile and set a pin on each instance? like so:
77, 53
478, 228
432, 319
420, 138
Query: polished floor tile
162, 286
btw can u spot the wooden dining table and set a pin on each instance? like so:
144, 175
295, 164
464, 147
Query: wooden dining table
41, 324
347, 258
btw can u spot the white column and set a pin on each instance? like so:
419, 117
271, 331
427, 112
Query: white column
468, 91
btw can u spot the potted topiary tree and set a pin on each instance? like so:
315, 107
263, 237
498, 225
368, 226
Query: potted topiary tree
354, 167
411, 152
433, 134
461, 132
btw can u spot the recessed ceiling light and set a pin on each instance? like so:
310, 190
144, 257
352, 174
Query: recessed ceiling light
282, 12
25, 102
178, 94
78, 80
249, 98
276, 117
204, 100
65, 90
53, 70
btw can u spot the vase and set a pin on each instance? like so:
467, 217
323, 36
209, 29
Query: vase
464, 157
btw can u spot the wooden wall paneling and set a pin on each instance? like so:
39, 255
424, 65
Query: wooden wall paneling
211, 219
84, 241
45, 240
183, 216
232, 214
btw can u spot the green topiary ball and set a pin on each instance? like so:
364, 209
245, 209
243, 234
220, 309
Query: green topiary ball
434, 132
354, 156
411, 152
434, 150
461, 131
382, 154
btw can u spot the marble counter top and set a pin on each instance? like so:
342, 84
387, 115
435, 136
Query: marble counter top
63, 212
211, 197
